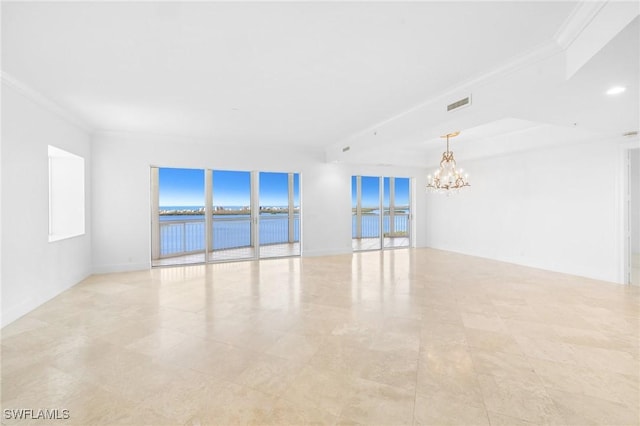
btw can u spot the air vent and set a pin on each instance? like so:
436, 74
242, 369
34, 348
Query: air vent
346, 148
464, 102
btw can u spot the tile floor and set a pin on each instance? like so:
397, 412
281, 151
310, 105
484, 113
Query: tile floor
386, 338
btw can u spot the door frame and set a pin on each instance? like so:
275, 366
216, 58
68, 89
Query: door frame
623, 208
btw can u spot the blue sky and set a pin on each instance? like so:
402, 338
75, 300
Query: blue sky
371, 191
181, 187
185, 187
231, 188
274, 189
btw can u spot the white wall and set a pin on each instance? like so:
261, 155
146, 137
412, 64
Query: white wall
555, 209
34, 270
121, 192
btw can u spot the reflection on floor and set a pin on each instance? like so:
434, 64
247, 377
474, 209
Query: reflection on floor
362, 244
414, 336
271, 250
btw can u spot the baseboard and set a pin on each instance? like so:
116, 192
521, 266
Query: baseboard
332, 252
122, 267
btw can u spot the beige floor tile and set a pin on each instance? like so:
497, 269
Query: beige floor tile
462, 387
386, 341
105, 287
340, 355
450, 359
296, 347
321, 389
439, 315
236, 405
376, 403
218, 360
603, 384
79, 350
51, 382
127, 332
187, 394
409, 336
448, 371
496, 419
440, 410
593, 338
483, 321
491, 341
531, 329
37, 339
18, 327
158, 342
606, 359
517, 309
547, 349
255, 340
288, 413
269, 374
502, 364
442, 334
581, 410
16, 359
113, 367
394, 368
140, 415
519, 399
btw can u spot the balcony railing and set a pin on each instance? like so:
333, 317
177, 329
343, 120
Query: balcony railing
180, 237
370, 225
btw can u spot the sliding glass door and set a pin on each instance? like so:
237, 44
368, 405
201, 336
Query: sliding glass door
366, 223
219, 215
381, 213
279, 218
396, 212
231, 216
178, 221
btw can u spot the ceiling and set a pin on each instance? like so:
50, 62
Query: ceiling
310, 74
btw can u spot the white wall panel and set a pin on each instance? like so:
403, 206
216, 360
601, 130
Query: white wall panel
35, 270
554, 208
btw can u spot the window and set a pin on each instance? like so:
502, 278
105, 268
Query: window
66, 194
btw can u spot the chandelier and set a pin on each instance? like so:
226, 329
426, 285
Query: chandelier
447, 178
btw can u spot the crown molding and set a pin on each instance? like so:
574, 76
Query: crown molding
43, 101
580, 17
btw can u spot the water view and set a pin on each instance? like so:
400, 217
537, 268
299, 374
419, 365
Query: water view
181, 215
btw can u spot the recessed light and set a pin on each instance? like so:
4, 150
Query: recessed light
616, 90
